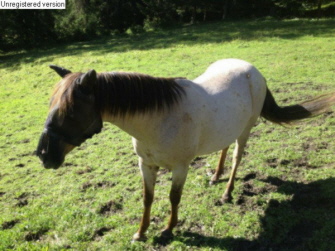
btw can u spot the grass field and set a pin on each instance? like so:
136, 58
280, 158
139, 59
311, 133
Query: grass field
284, 197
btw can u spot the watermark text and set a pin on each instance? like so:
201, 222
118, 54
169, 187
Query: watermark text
32, 4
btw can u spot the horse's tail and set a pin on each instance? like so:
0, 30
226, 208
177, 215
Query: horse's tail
287, 114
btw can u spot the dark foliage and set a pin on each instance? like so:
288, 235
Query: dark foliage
87, 19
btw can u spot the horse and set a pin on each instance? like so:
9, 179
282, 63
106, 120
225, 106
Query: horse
171, 120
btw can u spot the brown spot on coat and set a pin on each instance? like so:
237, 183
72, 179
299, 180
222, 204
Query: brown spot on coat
187, 118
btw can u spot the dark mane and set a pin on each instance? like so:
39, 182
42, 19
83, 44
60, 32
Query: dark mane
122, 93
130, 93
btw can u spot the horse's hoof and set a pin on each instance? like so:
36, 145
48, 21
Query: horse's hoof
167, 234
226, 199
213, 182
139, 237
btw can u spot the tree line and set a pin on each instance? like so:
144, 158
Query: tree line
87, 19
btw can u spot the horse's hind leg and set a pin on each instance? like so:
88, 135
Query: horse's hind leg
220, 167
237, 156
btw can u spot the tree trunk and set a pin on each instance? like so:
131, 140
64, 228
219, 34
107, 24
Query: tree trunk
205, 14
194, 12
225, 9
319, 8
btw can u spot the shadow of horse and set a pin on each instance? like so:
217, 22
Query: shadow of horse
305, 222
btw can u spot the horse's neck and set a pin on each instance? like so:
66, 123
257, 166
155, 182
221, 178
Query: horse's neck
139, 126
137, 103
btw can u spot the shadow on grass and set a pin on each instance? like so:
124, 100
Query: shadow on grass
204, 33
306, 222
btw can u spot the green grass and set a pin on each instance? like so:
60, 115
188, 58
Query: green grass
284, 194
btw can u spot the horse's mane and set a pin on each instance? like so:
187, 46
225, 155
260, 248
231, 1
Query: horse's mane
121, 93
130, 93
63, 93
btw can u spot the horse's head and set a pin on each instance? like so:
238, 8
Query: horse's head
73, 117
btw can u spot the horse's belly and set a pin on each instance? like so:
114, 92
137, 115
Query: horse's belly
223, 135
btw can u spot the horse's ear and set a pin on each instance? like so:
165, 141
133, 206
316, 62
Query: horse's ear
87, 80
60, 71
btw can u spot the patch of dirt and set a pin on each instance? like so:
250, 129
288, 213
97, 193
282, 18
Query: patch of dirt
256, 134
240, 201
285, 162
134, 163
9, 224
303, 162
309, 145
134, 220
25, 141
22, 196
162, 171
180, 223
250, 190
66, 164
86, 185
322, 146
99, 233
250, 176
35, 236
210, 172
22, 203
22, 200
83, 171
198, 162
196, 227
273, 163
104, 184
26, 154
110, 207
270, 130
122, 153
156, 220
101, 184
274, 181
132, 189
67, 247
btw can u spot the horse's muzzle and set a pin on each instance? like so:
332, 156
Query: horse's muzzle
49, 151
50, 164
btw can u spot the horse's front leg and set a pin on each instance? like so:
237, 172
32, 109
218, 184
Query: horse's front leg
179, 175
149, 175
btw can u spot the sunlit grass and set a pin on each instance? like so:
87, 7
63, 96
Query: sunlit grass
46, 209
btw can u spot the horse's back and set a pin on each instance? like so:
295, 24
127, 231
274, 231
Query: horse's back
234, 79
